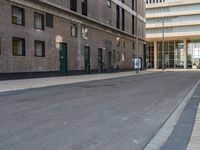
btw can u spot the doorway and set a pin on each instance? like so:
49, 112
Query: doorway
100, 60
87, 59
63, 58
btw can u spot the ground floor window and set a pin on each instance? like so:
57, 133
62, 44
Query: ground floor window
18, 46
174, 54
39, 49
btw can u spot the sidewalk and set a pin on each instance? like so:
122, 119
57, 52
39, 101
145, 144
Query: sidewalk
13, 85
186, 134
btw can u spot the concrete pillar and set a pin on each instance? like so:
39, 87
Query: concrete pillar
155, 55
185, 50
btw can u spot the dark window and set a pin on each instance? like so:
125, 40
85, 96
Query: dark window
109, 3
133, 4
73, 5
49, 20
39, 21
117, 17
114, 59
133, 46
133, 25
123, 20
39, 48
84, 7
74, 30
18, 46
18, 16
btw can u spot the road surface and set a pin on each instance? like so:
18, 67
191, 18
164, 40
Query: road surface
114, 114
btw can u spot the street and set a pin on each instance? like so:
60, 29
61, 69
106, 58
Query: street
113, 114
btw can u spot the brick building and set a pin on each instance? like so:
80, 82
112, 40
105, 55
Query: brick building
69, 35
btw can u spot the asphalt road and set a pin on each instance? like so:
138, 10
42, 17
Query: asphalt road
114, 114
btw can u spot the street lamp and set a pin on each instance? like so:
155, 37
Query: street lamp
163, 54
137, 46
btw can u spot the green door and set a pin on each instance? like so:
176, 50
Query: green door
87, 59
63, 58
100, 60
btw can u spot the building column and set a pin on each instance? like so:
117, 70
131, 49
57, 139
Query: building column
185, 53
155, 55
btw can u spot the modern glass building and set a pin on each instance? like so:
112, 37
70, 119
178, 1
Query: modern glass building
180, 22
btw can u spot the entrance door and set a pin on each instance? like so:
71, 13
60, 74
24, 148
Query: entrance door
63, 58
109, 59
100, 60
87, 59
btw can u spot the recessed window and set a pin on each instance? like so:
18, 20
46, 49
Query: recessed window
73, 5
84, 33
109, 3
134, 46
84, 7
39, 49
108, 22
74, 30
18, 16
123, 56
39, 21
18, 46
114, 59
123, 43
118, 56
49, 20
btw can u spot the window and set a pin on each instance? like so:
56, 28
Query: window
117, 17
18, 46
109, 3
18, 16
84, 33
73, 5
74, 30
114, 59
39, 49
133, 25
84, 7
134, 46
49, 20
123, 43
123, 20
118, 56
108, 22
123, 56
118, 43
39, 21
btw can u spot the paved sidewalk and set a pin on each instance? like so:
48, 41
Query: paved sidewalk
194, 143
13, 85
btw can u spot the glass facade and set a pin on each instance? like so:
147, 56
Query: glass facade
174, 55
193, 54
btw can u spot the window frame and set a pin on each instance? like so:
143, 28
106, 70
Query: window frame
43, 48
43, 24
22, 13
23, 46
76, 29
109, 3
51, 23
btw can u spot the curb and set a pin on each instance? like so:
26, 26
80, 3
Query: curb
167, 128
